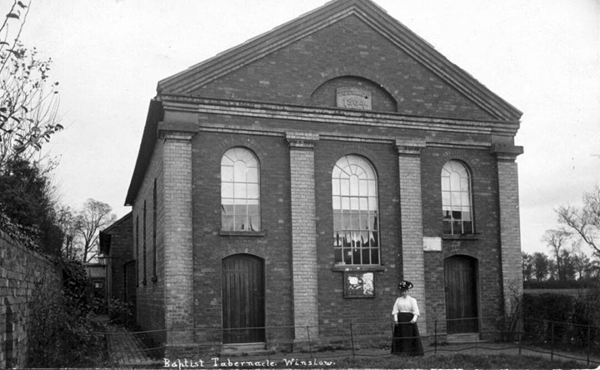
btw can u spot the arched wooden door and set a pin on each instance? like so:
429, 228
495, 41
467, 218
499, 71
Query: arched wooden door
243, 299
460, 275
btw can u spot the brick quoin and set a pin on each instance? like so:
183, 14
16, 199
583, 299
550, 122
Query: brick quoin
304, 251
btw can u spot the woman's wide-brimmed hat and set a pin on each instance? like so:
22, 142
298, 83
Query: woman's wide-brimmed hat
405, 285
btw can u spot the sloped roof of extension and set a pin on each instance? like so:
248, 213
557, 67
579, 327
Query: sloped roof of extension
237, 57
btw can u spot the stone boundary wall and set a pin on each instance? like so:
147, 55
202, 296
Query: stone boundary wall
20, 270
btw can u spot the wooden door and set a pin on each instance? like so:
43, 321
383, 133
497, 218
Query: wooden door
461, 295
243, 299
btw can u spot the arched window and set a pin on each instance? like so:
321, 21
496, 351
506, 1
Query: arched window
240, 191
355, 212
456, 199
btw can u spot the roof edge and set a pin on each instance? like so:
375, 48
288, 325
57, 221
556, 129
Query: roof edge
149, 137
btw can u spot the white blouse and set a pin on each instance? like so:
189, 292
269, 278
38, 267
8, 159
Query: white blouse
406, 304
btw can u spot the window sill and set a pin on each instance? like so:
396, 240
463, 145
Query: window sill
358, 268
242, 233
460, 237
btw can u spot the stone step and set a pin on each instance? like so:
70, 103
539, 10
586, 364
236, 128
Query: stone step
243, 349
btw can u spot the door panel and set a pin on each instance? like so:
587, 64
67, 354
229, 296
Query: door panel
243, 299
461, 294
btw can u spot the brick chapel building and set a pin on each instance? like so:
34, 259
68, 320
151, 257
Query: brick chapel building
289, 183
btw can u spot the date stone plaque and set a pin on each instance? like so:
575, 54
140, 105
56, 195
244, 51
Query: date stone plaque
353, 98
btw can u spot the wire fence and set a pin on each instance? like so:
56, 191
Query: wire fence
555, 340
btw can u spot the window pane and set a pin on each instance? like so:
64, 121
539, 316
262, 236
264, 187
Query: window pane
355, 211
454, 182
337, 203
227, 222
373, 204
355, 221
252, 191
253, 209
227, 209
252, 175
239, 171
464, 199
337, 221
445, 184
346, 203
372, 188
226, 173
240, 190
345, 186
254, 223
335, 187
241, 223
226, 190
363, 188
354, 185
456, 198
445, 198
464, 184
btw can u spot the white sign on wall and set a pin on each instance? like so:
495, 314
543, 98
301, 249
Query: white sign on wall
432, 243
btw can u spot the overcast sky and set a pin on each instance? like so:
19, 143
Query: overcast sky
542, 56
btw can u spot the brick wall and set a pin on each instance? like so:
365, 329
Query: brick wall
484, 247
121, 252
291, 75
371, 316
150, 299
22, 273
273, 246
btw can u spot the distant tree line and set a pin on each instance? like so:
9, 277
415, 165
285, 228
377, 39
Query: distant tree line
579, 228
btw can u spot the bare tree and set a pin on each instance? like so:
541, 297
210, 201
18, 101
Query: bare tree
556, 240
28, 101
94, 217
581, 262
585, 221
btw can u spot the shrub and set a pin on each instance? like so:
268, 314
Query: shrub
120, 312
61, 332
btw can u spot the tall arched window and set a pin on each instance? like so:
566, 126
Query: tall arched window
355, 212
456, 199
240, 191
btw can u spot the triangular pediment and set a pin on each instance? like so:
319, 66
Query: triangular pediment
344, 39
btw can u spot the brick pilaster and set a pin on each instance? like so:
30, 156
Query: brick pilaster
304, 234
178, 248
510, 234
411, 220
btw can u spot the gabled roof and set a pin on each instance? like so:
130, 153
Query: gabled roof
105, 234
203, 73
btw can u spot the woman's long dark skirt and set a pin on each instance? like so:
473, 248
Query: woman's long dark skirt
406, 339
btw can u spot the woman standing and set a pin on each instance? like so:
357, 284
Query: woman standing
406, 339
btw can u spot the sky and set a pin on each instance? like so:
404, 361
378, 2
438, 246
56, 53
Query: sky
542, 56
